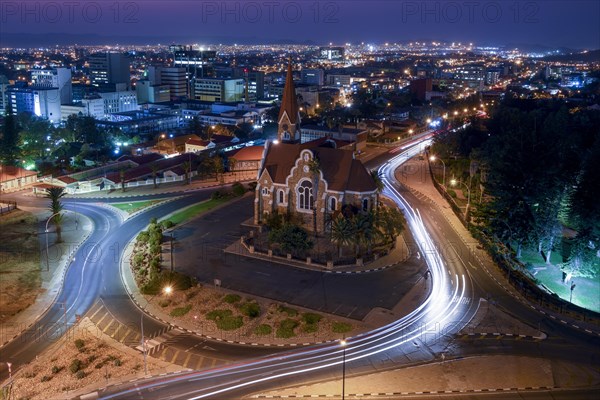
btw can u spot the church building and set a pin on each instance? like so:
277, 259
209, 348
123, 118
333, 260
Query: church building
308, 179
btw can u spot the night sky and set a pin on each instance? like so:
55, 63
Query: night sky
571, 23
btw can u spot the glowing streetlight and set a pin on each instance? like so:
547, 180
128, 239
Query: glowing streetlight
455, 112
343, 343
166, 290
428, 120
434, 158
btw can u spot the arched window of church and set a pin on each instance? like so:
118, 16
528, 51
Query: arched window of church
365, 205
281, 197
305, 196
332, 203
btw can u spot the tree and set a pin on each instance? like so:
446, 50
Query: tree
154, 168
364, 232
122, 177
187, 167
292, 238
390, 222
315, 170
378, 184
342, 233
56, 207
218, 168
9, 145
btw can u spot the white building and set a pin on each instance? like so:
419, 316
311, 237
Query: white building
219, 90
117, 102
57, 78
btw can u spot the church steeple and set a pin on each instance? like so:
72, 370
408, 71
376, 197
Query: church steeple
289, 114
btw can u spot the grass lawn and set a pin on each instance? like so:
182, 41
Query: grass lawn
196, 210
134, 206
587, 291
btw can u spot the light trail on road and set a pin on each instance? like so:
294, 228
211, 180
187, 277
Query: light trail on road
442, 306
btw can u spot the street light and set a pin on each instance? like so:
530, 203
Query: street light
343, 343
453, 182
433, 158
47, 251
167, 290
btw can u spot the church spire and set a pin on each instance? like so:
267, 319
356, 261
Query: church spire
289, 114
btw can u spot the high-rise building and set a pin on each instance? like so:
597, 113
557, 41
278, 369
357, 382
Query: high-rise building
492, 75
174, 77
148, 93
42, 102
313, 76
4, 85
197, 63
339, 80
255, 81
107, 69
58, 78
219, 90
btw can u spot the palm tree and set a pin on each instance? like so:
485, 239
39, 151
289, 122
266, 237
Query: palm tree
378, 184
154, 168
56, 207
315, 170
342, 233
363, 231
187, 167
122, 176
232, 166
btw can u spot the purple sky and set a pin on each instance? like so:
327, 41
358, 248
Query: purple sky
572, 23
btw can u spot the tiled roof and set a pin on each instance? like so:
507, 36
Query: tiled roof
341, 171
250, 153
196, 142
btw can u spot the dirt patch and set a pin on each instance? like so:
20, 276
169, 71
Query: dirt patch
83, 358
20, 275
223, 314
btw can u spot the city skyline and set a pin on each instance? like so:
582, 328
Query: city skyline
500, 23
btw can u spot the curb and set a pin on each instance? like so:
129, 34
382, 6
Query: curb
65, 269
381, 394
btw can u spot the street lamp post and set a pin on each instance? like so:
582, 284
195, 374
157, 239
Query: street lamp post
343, 343
572, 287
433, 158
167, 290
453, 182
47, 251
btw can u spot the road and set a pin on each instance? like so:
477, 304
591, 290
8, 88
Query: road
419, 337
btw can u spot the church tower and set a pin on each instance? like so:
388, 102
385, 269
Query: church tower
289, 114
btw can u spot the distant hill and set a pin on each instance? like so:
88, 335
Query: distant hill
588, 56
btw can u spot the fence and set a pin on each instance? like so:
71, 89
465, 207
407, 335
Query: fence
7, 206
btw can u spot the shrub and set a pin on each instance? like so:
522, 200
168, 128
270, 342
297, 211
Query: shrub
311, 318
45, 378
56, 369
231, 298
252, 186
250, 309
225, 319
341, 327
452, 193
310, 328
80, 344
286, 328
118, 362
164, 303
80, 374
181, 311
217, 195
291, 312
75, 365
167, 223
238, 189
153, 221
92, 358
263, 329
143, 237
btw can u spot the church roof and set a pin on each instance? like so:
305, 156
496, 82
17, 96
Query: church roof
289, 102
341, 171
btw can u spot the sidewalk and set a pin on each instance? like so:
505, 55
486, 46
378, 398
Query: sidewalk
398, 254
468, 376
414, 175
165, 188
76, 229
